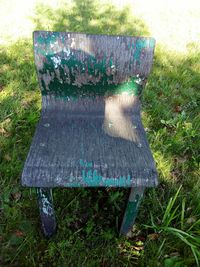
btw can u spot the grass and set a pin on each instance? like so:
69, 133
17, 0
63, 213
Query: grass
167, 229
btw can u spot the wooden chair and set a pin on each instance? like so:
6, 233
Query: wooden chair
90, 132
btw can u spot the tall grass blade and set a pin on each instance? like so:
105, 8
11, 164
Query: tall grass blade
170, 206
195, 256
182, 213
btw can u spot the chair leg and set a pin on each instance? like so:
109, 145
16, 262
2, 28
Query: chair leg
47, 215
135, 197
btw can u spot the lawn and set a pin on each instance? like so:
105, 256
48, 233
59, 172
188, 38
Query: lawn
167, 229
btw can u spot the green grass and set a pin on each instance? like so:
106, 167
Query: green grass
167, 229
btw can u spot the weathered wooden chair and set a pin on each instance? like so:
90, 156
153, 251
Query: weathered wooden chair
90, 132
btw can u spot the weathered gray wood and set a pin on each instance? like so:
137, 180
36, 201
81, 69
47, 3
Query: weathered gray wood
89, 148
72, 63
90, 132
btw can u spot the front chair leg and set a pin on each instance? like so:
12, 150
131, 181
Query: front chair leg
135, 197
47, 215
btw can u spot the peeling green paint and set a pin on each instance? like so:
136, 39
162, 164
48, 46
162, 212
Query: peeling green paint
91, 178
62, 65
140, 45
84, 163
91, 175
152, 43
62, 87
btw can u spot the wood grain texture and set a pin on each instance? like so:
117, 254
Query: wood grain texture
79, 144
89, 136
76, 63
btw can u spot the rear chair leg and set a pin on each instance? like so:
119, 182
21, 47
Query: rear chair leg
47, 215
135, 197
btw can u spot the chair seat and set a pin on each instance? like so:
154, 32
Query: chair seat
90, 142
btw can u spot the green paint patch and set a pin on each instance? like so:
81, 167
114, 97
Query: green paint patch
84, 163
91, 177
66, 71
131, 213
66, 84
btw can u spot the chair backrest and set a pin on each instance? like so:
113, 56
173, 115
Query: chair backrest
77, 64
